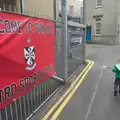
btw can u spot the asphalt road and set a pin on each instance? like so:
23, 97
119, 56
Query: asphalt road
94, 99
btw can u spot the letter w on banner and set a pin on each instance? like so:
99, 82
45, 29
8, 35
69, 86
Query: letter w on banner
27, 54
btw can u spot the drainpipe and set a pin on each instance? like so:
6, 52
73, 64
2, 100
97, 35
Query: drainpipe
118, 23
84, 12
84, 22
22, 6
56, 9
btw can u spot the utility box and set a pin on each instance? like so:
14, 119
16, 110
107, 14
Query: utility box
88, 33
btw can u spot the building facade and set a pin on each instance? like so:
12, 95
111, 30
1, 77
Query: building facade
102, 16
44, 8
75, 10
39, 8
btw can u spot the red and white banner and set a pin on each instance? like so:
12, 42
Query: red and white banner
27, 54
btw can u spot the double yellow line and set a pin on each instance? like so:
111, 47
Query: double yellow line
69, 93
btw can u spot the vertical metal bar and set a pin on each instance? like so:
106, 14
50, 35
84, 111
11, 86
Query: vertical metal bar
84, 46
24, 106
44, 91
64, 39
16, 109
28, 103
84, 29
84, 12
56, 9
6, 113
10, 8
37, 101
40, 89
15, 10
38, 95
32, 101
4, 7
38, 98
34, 97
118, 24
11, 111
22, 6
0, 116
48, 89
20, 108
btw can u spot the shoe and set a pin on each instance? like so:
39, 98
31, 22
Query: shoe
115, 93
119, 92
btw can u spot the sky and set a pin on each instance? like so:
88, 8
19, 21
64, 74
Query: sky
76, 4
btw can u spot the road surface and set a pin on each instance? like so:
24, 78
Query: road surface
94, 99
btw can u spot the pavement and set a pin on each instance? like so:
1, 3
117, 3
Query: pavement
94, 98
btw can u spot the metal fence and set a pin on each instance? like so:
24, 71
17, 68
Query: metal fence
8, 7
14, 9
24, 107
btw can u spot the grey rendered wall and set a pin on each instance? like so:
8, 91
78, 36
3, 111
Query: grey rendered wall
90, 5
109, 20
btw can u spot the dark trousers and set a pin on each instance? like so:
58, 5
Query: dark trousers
117, 84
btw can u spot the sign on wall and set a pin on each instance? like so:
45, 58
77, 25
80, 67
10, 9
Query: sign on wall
27, 54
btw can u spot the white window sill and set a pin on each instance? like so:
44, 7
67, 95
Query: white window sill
98, 7
97, 35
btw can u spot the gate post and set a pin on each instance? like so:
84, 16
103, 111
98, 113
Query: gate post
84, 22
22, 6
64, 39
56, 4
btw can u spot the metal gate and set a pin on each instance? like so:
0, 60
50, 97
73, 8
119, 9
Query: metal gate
75, 52
76, 46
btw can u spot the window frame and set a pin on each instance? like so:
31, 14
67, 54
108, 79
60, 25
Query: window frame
100, 21
98, 6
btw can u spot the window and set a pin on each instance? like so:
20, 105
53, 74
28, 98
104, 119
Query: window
98, 3
71, 8
98, 26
